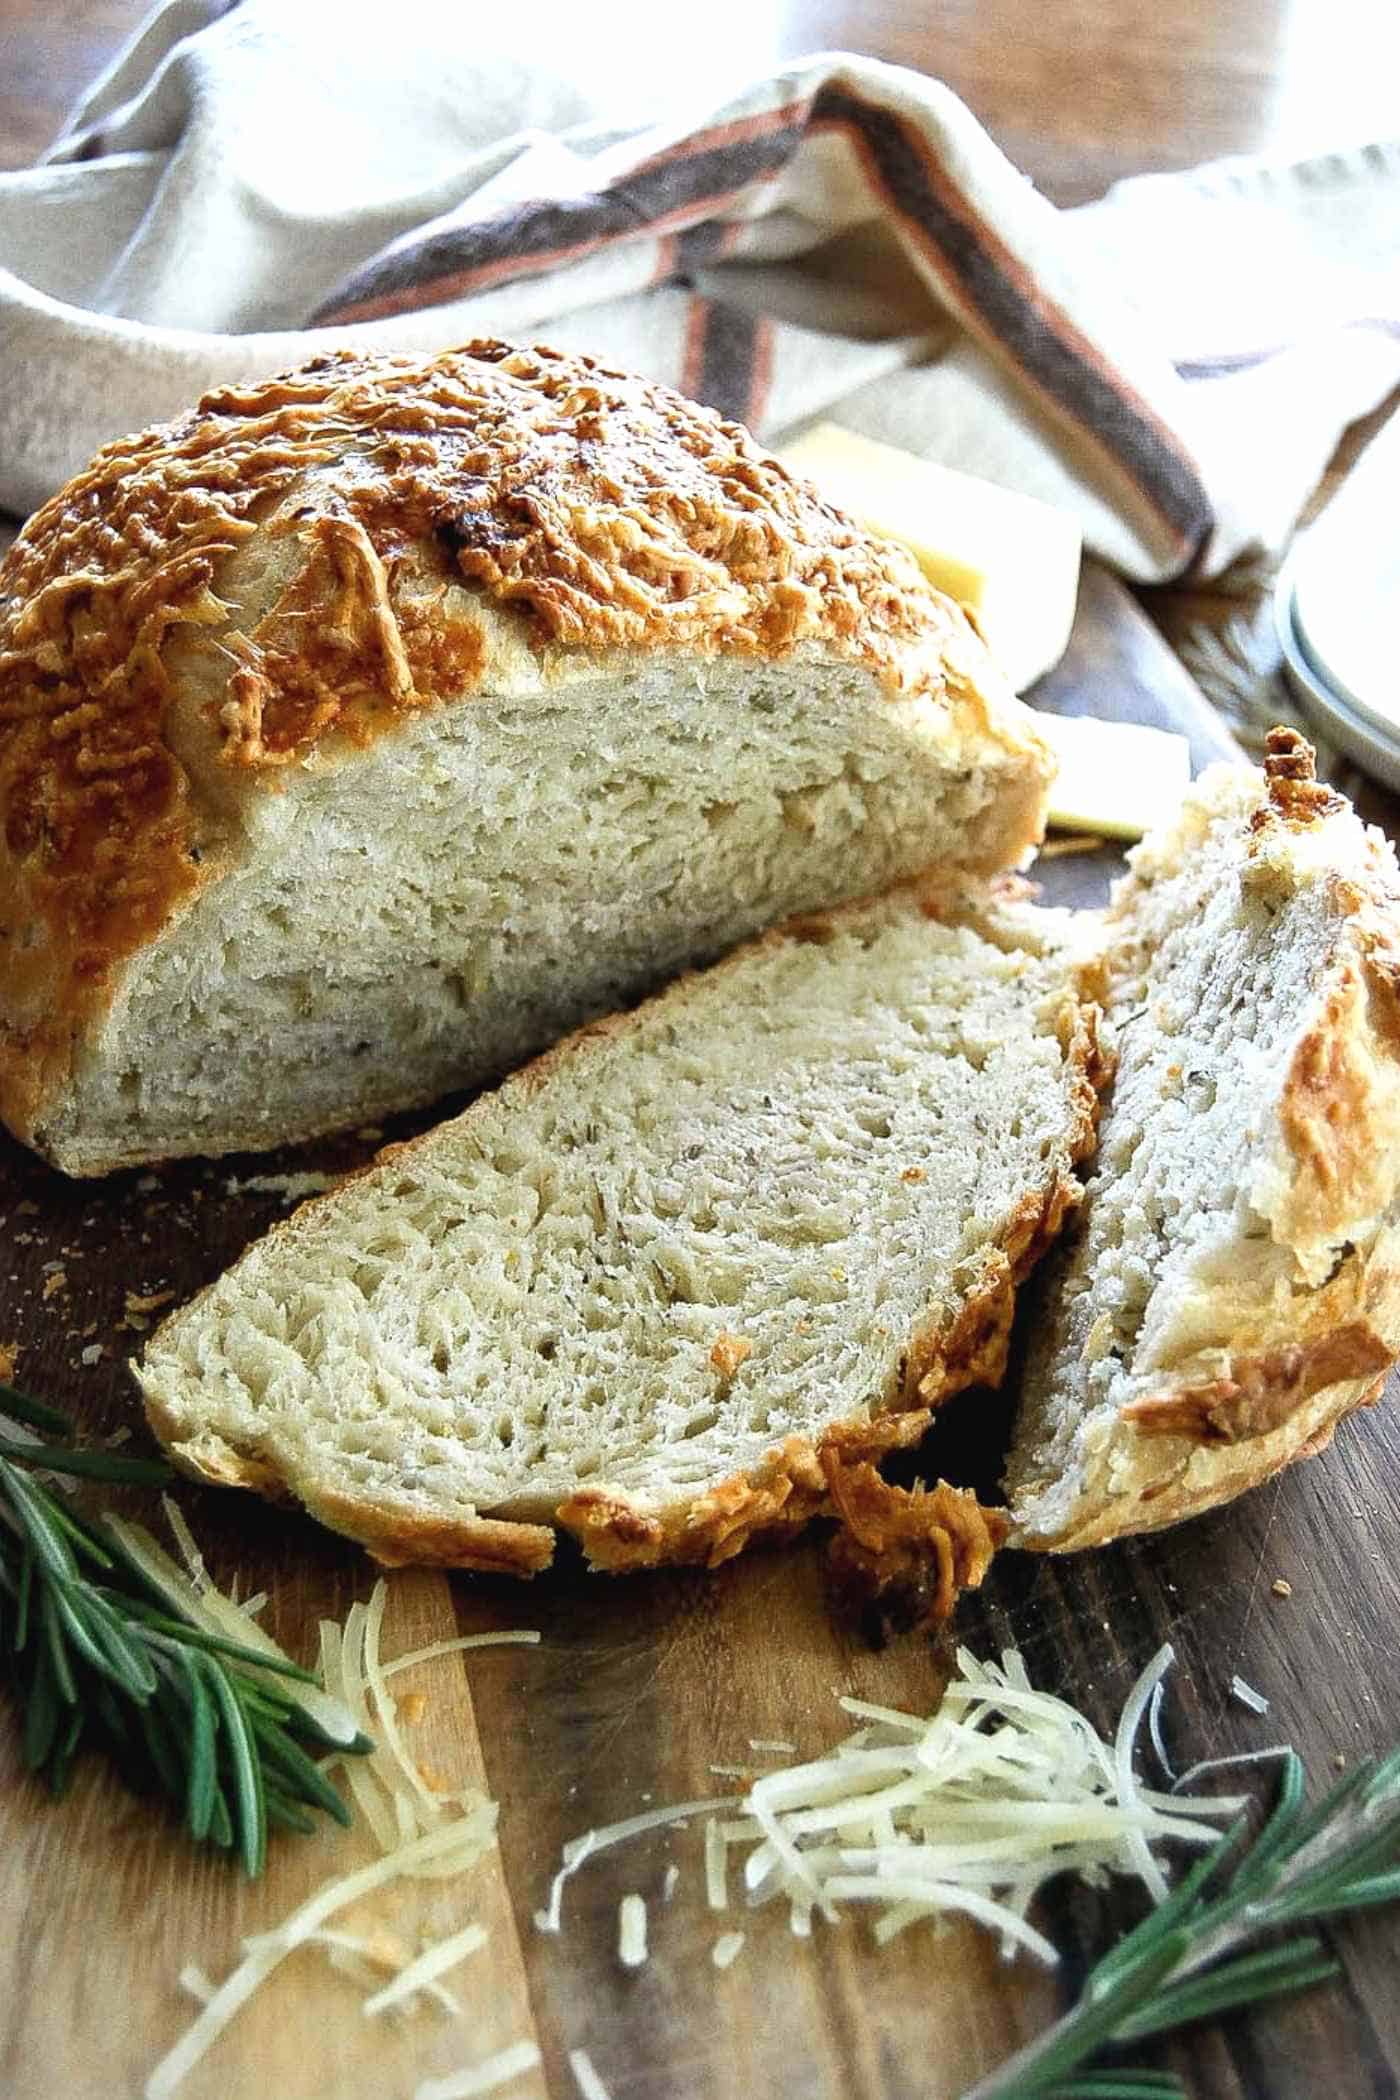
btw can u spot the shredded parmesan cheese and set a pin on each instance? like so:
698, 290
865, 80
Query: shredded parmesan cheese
421, 1832
581, 1848
727, 1949
195, 1596
460, 1843
632, 1932
965, 1813
590, 2085
497, 2070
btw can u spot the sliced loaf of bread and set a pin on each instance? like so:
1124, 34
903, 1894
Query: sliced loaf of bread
366, 729
667, 1282
1231, 1287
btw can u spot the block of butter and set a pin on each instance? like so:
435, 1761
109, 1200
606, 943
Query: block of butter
1010, 559
1116, 779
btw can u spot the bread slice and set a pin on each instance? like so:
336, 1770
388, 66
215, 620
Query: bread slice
1231, 1288
364, 730
669, 1278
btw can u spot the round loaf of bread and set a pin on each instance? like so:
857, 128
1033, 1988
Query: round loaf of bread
365, 729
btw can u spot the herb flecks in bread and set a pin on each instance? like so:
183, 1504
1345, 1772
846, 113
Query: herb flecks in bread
526, 1318
477, 692
1231, 1288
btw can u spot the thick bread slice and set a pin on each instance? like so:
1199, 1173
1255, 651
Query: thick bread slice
365, 729
1232, 1286
665, 1281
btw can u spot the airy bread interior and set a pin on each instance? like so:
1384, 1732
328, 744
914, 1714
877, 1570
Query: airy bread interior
746, 1212
424, 914
1227, 952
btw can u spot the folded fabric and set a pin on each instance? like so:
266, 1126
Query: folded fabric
249, 185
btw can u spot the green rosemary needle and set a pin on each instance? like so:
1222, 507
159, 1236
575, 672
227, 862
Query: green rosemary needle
101, 1653
1213, 1947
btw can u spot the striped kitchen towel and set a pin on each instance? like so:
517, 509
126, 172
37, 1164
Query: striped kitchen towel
252, 184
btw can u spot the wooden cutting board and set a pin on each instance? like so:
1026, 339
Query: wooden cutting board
637, 1688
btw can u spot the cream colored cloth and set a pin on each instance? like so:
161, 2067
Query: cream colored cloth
250, 185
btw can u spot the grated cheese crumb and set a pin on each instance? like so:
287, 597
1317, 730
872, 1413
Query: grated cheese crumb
1247, 1696
632, 1932
590, 2085
669, 1885
727, 1949
1281, 1587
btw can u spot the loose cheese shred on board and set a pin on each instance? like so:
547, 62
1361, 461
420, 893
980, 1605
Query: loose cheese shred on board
727, 1949
967, 1812
434, 1962
590, 2085
1247, 1696
485, 2077
716, 1894
632, 1932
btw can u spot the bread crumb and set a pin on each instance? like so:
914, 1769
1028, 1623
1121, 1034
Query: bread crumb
9, 1357
290, 1187
138, 1304
369, 1133
93, 1354
147, 1183
729, 1352
1281, 1588
913, 1174
413, 1706
55, 1281
1339, 1760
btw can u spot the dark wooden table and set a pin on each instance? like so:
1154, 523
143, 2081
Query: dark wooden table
639, 1686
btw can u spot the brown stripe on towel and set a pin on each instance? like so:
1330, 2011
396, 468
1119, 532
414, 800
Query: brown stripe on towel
673, 191
997, 295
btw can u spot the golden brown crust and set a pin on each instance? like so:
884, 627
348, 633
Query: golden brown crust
1194, 1477
607, 513
1260, 1393
903, 1556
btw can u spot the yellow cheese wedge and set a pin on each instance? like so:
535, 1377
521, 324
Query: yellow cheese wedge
1116, 779
1010, 559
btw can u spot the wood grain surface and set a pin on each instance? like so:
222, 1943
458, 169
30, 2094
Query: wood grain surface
639, 1686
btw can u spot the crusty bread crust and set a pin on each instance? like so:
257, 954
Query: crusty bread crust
1231, 1418
794, 1482
595, 515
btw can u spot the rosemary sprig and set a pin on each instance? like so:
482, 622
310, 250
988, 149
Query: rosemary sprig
1210, 1947
100, 1654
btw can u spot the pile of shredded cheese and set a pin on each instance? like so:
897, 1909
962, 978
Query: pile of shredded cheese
968, 1811
420, 1832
